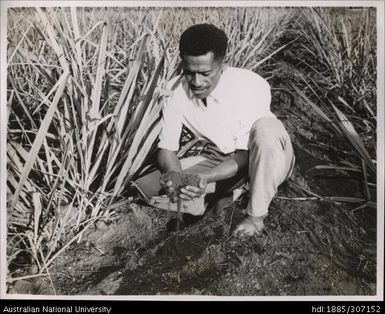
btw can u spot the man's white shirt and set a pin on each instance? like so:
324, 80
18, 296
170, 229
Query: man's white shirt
240, 98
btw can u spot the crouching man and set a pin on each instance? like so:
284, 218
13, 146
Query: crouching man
230, 108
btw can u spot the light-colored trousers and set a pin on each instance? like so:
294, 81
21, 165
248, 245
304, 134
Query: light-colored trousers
271, 162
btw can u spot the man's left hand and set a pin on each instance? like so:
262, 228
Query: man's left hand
190, 192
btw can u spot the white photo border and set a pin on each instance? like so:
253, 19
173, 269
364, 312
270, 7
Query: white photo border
379, 5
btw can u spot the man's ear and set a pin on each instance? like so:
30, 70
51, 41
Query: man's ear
223, 67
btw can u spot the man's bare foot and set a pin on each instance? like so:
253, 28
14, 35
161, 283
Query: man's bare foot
250, 226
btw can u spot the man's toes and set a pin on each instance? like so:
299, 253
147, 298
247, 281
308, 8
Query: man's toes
247, 230
247, 233
239, 228
258, 233
241, 231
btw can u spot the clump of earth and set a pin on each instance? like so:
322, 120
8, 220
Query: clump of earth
180, 180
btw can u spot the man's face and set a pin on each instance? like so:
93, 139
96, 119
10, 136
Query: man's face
202, 73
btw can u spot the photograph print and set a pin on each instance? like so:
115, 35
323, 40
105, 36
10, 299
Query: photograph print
217, 151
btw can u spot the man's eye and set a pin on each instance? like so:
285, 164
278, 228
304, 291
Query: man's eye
189, 73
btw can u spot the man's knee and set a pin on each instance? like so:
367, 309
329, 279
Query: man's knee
266, 132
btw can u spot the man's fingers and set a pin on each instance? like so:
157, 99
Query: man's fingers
185, 197
165, 183
192, 193
192, 189
202, 184
167, 186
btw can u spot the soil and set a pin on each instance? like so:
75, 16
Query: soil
180, 180
309, 247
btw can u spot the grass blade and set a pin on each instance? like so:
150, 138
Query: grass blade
351, 134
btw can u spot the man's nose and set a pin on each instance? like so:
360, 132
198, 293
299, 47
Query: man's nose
196, 80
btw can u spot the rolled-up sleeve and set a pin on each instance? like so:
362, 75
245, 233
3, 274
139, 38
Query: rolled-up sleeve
241, 139
171, 126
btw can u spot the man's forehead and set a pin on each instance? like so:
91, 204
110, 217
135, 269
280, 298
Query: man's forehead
197, 67
199, 63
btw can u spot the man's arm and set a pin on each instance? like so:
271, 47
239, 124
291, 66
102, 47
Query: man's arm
168, 161
227, 169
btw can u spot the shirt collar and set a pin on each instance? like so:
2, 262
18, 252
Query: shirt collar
215, 94
219, 90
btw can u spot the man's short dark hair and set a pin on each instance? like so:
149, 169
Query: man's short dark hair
202, 38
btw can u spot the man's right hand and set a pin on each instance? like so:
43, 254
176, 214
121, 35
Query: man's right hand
168, 161
191, 192
167, 186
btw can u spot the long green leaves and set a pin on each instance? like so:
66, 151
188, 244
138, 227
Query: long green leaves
40, 136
